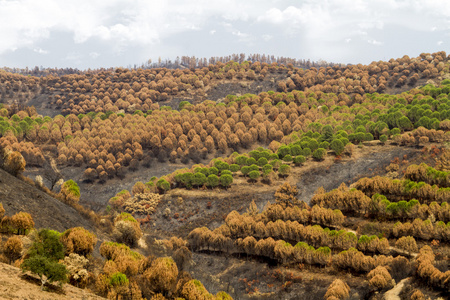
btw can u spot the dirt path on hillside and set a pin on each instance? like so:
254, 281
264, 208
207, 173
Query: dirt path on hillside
393, 294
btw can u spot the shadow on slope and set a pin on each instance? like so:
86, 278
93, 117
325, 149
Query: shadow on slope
47, 212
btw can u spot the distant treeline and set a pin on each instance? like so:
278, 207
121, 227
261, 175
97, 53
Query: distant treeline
179, 63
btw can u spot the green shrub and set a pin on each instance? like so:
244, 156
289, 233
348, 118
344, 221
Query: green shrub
299, 160
288, 158
241, 160
313, 145
226, 180
163, 184
275, 163
254, 175
267, 169
284, 170
337, 146
319, 154
306, 152
296, 150
262, 161
213, 171
250, 161
212, 181
245, 170
254, 168
234, 168
283, 151
199, 179
324, 145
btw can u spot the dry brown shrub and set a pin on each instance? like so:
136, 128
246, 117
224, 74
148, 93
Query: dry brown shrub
76, 265
194, 290
379, 278
2, 211
144, 203
162, 275
417, 295
22, 221
78, 240
407, 243
13, 248
338, 289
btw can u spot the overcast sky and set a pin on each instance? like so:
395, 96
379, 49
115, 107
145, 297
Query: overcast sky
94, 33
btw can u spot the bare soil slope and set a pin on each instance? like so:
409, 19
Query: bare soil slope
14, 285
47, 212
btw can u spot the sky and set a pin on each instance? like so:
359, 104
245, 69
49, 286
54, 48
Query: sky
92, 34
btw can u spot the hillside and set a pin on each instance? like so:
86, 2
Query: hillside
15, 285
263, 180
47, 212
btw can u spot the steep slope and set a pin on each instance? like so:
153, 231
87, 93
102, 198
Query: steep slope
46, 211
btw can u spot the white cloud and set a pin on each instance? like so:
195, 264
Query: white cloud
94, 55
440, 43
40, 50
338, 16
144, 26
267, 37
139, 22
375, 42
291, 14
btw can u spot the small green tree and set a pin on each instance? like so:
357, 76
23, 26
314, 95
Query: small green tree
283, 151
43, 256
337, 146
214, 170
234, 168
299, 160
267, 169
276, 163
163, 185
46, 269
226, 180
296, 150
250, 161
221, 165
319, 154
306, 152
241, 160
383, 138
212, 181
284, 170
199, 179
245, 170
254, 175
262, 161
288, 158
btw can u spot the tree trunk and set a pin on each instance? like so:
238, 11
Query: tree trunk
43, 282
